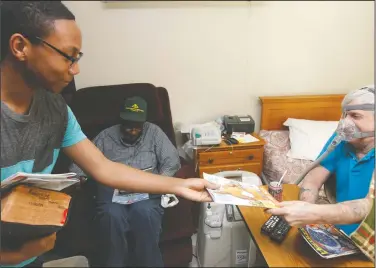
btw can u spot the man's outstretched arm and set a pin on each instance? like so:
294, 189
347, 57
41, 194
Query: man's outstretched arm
300, 213
119, 176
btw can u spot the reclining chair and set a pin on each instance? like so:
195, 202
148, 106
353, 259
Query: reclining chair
97, 108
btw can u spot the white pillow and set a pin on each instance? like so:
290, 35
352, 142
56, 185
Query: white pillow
308, 137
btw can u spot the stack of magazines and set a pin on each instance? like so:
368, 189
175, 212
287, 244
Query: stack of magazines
55, 182
32, 206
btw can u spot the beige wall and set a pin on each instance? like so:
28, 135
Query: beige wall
217, 58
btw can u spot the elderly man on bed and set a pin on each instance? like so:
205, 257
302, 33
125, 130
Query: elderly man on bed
352, 162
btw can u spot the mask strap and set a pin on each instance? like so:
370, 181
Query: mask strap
360, 135
363, 107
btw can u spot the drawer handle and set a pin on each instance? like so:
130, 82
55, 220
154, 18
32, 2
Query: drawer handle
211, 160
250, 157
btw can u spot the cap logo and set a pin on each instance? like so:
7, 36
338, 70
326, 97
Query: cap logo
134, 108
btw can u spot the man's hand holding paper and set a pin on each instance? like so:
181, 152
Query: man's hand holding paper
297, 213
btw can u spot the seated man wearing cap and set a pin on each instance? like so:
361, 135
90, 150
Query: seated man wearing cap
121, 215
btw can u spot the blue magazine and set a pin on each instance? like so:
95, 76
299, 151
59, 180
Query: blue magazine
328, 241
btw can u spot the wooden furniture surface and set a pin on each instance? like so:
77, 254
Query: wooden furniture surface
293, 251
275, 110
223, 157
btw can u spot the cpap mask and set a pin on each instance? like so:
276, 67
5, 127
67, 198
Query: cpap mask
346, 131
347, 128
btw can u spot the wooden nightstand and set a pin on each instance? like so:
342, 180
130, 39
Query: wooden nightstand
223, 157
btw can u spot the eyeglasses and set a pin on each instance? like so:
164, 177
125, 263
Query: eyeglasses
129, 126
130, 129
71, 58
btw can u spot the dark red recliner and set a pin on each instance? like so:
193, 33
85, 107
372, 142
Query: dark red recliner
97, 108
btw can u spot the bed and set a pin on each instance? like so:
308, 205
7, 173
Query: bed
275, 110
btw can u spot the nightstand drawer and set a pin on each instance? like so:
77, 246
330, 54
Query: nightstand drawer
230, 157
251, 167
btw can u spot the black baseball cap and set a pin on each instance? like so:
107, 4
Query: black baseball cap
134, 109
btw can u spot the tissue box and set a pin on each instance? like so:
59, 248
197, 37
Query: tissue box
29, 213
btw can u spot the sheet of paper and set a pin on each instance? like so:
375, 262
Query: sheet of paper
242, 137
238, 193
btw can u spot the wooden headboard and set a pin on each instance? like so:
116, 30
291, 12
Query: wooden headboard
275, 110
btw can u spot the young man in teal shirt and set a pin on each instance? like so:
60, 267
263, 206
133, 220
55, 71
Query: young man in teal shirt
40, 50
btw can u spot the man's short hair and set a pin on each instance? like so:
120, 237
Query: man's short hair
29, 18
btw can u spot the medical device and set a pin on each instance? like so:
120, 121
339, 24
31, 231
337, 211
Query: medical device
206, 135
223, 239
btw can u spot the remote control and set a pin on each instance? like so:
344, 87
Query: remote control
280, 231
268, 227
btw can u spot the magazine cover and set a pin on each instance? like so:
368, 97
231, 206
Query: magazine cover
328, 241
238, 193
127, 198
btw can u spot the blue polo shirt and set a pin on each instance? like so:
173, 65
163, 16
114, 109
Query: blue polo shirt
353, 176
